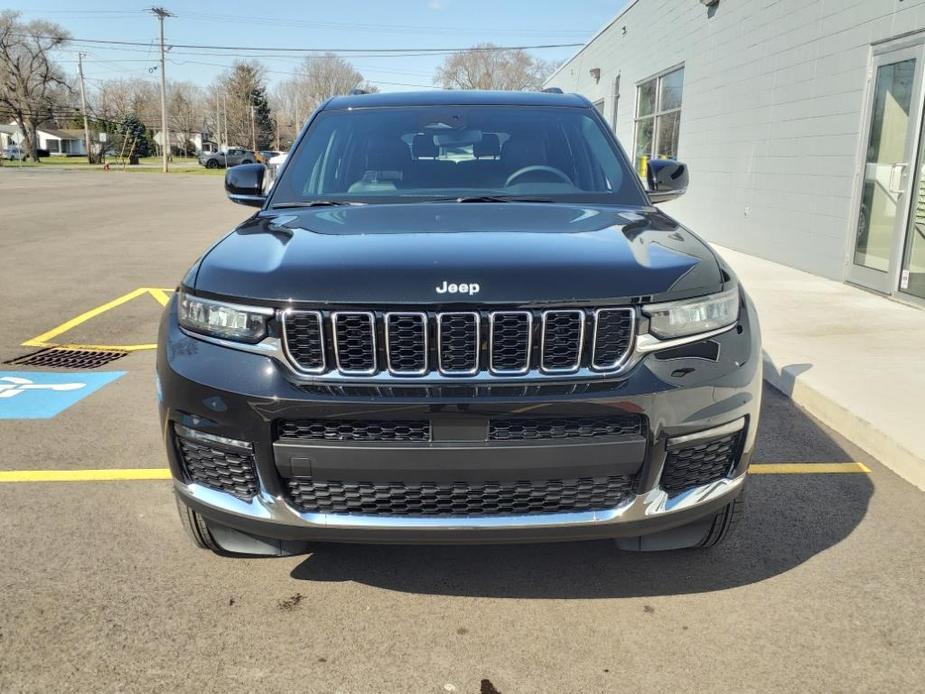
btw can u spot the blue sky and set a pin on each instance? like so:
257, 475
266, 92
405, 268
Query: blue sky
345, 24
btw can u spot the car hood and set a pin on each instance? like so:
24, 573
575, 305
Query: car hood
402, 253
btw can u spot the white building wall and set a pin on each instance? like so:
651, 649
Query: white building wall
773, 104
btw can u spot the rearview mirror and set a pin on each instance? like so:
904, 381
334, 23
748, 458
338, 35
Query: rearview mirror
667, 179
244, 184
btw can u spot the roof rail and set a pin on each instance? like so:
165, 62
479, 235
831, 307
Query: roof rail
552, 90
357, 92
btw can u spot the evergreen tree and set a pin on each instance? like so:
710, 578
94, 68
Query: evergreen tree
263, 122
133, 138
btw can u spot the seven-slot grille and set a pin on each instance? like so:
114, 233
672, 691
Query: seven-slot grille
502, 343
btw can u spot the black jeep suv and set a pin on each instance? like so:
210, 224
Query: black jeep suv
457, 317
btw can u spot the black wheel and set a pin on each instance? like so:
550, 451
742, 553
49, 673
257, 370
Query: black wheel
212, 164
196, 526
724, 523
228, 542
247, 161
702, 534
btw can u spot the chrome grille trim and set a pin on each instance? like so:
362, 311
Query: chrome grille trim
477, 318
629, 345
388, 342
491, 343
370, 316
581, 341
285, 317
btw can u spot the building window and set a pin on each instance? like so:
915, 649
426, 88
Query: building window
658, 117
52, 145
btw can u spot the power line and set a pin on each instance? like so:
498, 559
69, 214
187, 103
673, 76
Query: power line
349, 51
377, 28
219, 18
293, 73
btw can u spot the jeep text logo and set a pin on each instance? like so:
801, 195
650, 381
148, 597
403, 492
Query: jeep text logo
463, 288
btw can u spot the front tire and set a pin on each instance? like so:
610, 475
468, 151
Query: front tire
196, 528
211, 164
711, 531
228, 542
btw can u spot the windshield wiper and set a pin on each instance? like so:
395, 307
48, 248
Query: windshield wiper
315, 203
491, 198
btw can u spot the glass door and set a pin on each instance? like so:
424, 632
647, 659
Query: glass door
891, 135
912, 275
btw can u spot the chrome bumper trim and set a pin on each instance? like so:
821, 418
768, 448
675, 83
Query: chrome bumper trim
714, 433
652, 504
207, 438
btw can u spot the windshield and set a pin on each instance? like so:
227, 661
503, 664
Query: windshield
439, 152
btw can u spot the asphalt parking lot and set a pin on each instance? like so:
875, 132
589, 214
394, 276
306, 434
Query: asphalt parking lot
100, 591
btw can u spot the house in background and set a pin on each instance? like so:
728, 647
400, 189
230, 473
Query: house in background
800, 121
8, 136
200, 142
66, 142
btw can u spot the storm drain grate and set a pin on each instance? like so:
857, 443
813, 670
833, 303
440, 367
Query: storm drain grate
64, 358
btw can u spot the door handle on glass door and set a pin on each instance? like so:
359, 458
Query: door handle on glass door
896, 177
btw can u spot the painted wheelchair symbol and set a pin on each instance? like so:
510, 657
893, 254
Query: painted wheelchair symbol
11, 386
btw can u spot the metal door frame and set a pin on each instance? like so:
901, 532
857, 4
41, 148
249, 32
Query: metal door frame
887, 53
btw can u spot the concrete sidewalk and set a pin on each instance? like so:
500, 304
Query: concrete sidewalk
852, 359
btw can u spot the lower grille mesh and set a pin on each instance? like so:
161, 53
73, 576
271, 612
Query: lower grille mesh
695, 465
523, 428
228, 471
459, 498
355, 429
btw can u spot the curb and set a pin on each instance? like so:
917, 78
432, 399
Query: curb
857, 430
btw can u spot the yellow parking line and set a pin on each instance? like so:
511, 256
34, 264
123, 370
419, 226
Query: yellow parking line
103, 348
160, 295
42, 340
151, 473
806, 468
154, 473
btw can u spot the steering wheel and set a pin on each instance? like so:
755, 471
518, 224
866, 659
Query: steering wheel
537, 168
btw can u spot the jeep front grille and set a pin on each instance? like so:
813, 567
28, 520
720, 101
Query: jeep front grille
459, 344
440, 499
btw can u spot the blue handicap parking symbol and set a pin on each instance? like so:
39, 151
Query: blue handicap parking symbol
43, 394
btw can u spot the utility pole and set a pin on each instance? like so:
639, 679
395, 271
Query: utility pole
253, 131
83, 106
225, 115
162, 14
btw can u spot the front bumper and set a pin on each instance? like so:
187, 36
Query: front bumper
240, 395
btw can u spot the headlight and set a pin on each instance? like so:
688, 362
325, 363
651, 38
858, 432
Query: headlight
228, 321
692, 316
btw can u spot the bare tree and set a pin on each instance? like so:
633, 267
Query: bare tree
116, 98
316, 79
186, 109
485, 66
248, 113
31, 84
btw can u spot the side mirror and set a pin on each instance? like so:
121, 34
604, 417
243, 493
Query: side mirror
244, 184
667, 179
